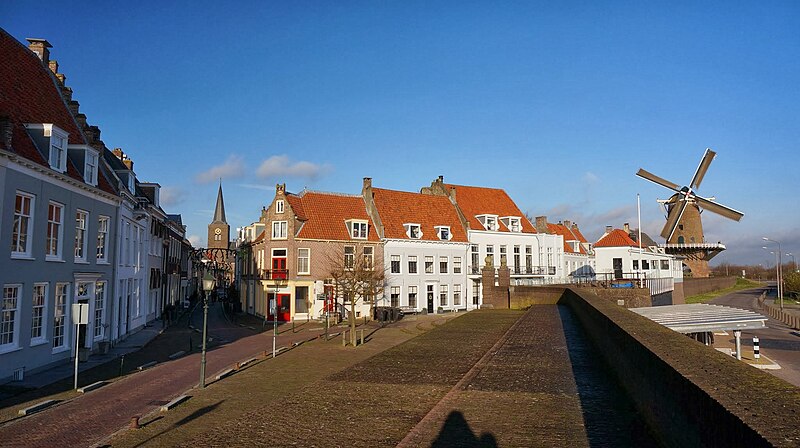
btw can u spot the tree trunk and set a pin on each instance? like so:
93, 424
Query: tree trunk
353, 322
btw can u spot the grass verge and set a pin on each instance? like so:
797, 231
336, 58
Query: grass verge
741, 284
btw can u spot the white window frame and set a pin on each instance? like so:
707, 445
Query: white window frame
62, 314
55, 134
444, 262
10, 327
103, 230
80, 235
369, 258
55, 233
394, 291
100, 293
443, 232
412, 289
413, 230
457, 295
457, 266
307, 259
443, 296
39, 321
514, 224
358, 229
392, 260
280, 230
432, 260
19, 218
279, 206
489, 222
415, 260
90, 168
349, 258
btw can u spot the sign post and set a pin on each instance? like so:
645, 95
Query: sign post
273, 310
80, 316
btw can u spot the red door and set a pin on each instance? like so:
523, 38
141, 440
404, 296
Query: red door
279, 268
284, 308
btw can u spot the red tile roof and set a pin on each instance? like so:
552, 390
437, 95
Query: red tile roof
324, 215
616, 238
575, 231
568, 235
396, 208
29, 94
475, 201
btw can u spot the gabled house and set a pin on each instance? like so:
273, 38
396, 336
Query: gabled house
58, 214
425, 250
578, 255
499, 233
307, 237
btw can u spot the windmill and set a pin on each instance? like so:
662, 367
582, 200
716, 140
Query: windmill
683, 230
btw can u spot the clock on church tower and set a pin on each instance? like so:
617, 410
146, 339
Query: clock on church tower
219, 232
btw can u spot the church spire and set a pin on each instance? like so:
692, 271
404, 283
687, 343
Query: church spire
219, 211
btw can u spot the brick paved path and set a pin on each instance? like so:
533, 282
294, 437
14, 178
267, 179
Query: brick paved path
91, 418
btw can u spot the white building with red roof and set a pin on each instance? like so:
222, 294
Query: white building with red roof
425, 248
578, 254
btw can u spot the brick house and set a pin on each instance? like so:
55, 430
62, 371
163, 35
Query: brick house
306, 237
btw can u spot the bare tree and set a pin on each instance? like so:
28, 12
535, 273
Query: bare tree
358, 276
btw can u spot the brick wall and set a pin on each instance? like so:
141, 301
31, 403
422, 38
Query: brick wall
694, 286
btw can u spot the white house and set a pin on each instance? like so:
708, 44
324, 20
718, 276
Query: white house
425, 250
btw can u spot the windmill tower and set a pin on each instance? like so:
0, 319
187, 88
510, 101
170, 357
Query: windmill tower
683, 230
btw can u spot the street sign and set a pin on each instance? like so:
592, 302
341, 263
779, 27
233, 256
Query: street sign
272, 306
80, 313
321, 297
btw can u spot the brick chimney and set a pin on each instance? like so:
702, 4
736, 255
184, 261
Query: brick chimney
53, 64
41, 47
608, 230
541, 224
627, 228
567, 224
280, 189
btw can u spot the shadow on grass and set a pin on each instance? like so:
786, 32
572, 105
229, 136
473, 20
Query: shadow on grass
194, 415
456, 432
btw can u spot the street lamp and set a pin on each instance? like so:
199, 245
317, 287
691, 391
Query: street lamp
780, 276
794, 260
208, 286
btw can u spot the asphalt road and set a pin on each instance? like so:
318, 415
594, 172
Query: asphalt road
778, 342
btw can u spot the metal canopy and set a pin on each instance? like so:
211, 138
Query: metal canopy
701, 317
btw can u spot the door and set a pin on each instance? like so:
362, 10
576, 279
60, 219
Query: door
283, 307
430, 298
279, 268
617, 263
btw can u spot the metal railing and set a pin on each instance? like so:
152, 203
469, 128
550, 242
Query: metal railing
518, 270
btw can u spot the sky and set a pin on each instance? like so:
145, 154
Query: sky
558, 103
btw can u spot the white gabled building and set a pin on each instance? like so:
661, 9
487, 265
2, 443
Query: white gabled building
425, 249
497, 230
578, 253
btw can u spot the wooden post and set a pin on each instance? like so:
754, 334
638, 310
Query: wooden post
362, 337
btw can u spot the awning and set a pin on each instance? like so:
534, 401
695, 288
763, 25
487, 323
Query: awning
701, 317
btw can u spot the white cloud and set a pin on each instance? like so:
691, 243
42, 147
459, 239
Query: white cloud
590, 178
257, 187
231, 168
195, 240
282, 166
171, 196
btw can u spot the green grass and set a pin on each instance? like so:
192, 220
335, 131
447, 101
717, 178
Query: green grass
741, 283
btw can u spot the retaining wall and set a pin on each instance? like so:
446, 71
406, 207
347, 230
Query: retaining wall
792, 320
690, 394
695, 286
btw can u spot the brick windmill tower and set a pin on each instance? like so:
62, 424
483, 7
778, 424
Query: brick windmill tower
683, 230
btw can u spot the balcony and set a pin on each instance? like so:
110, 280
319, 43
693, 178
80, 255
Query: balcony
273, 274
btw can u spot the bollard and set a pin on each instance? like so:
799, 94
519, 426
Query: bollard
361, 337
135, 422
756, 351
121, 364
292, 325
344, 338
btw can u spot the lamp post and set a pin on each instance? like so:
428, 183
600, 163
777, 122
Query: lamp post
794, 260
208, 286
779, 273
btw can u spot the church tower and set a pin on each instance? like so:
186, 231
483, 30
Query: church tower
219, 232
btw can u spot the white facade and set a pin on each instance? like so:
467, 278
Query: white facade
130, 276
426, 275
533, 258
658, 269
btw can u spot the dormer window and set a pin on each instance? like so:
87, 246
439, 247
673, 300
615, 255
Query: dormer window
279, 206
55, 140
90, 170
489, 222
513, 223
358, 229
413, 231
444, 233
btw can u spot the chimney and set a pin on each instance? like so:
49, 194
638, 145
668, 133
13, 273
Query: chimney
62, 78
567, 224
574, 226
627, 228
6, 130
81, 119
41, 48
118, 152
280, 189
541, 224
608, 229
66, 92
440, 179
74, 106
128, 163
92, 134
53, 64
367, 183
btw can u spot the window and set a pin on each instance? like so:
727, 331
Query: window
529, 257
60, 315
369, 257
513, 225
476, 258
490, 254
90, 171
358, 229
279, 206
102, 239
457, 295
517, 255
645, 264
395, 296
635, 265
665, 265
443, 265
412, 264
456, 265
38, 307
58, 149
489, 221
413, 231
444, 233
80, 235
443, 295
304, 261
476, 292
503, 255
412, 296
99, 306
8, 316
55, 221
23, 225
279, 230
395, 264
349, 257
429, 265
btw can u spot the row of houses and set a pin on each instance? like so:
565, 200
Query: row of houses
430, 248
77, 224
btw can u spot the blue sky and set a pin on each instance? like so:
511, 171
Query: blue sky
559, 103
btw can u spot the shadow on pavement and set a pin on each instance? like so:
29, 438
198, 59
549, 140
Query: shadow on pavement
198, 413
456, 432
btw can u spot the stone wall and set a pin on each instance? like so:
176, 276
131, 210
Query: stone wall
694, 286
690, 394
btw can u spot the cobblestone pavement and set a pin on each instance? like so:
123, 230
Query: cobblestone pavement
779, 342
88, 419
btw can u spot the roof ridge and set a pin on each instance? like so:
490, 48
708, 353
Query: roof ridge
329, 193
